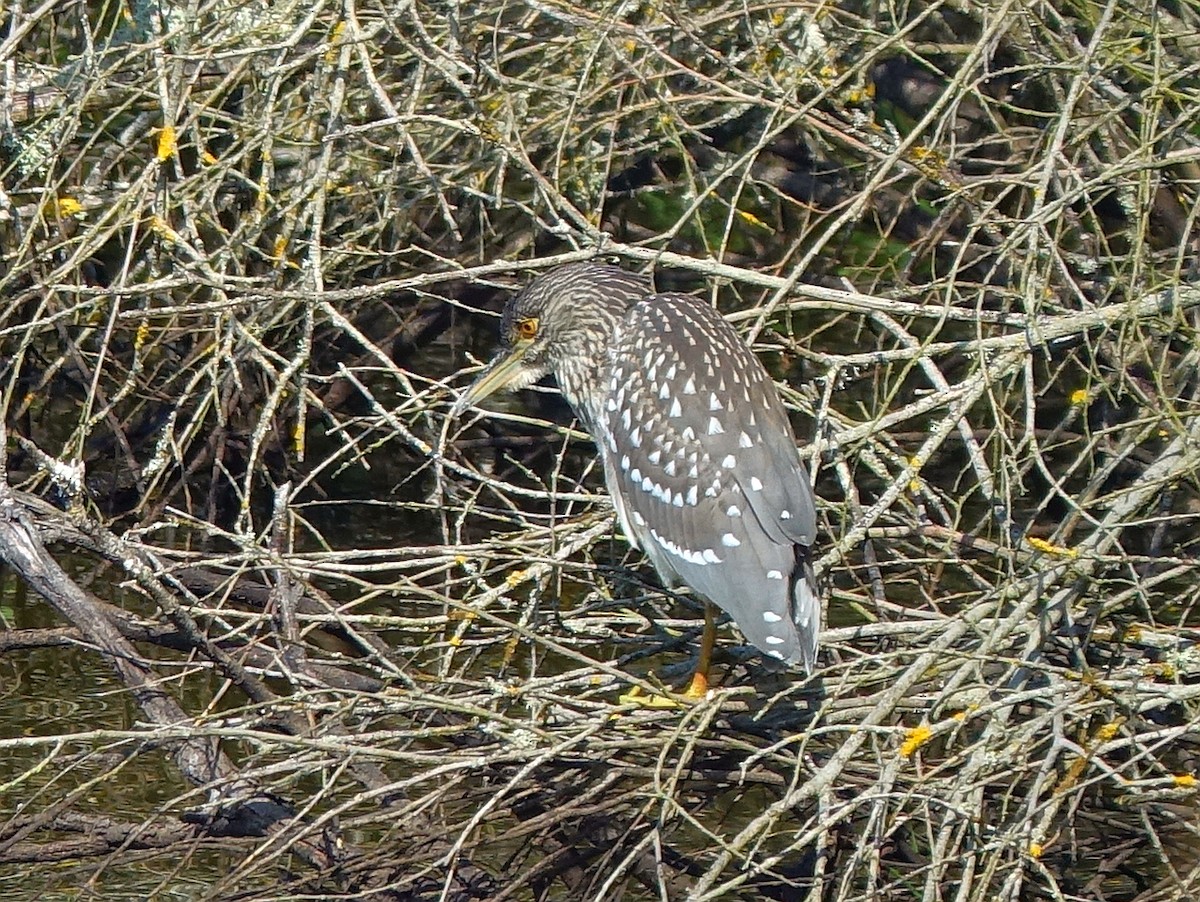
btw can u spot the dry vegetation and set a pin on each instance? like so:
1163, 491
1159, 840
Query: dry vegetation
358, 649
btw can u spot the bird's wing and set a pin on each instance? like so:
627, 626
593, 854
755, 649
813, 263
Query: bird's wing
701, 461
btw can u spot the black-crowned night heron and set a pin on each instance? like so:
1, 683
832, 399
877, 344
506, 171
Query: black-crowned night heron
698, 453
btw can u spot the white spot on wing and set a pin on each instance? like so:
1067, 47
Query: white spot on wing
689, 387
744, 441
733, 511
774, 574
774, 640
691, 496
710, 556
729, 461
729, 540
676, 410
714, 426
714, 403
785, 514
654, 456
693, 557
756, 483
771, 617
625, 462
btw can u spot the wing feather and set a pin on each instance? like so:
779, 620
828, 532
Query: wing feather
707, 478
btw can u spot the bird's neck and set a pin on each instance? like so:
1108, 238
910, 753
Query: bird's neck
584, 367
580, 381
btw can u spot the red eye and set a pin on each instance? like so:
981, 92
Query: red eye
527, 328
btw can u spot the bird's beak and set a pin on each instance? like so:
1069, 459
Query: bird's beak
505, 369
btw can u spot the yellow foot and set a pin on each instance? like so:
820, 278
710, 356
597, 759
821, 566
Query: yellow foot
635, 697
696, 691
698, 687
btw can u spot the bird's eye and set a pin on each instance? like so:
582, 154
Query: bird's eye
527, 328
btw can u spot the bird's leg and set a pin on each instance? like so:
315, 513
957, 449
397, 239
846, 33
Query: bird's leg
699, 684
698, 688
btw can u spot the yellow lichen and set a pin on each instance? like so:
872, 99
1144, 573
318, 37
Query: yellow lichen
159, 227
69, 206
861, 94
1049, 548
166, 143
754, 220
334, 38
914, 739
914, 484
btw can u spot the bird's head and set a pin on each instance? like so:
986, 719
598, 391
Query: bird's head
563, 324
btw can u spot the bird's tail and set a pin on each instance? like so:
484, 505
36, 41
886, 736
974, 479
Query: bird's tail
806, 608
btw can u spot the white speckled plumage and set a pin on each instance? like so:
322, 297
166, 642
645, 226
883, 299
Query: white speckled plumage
661, 379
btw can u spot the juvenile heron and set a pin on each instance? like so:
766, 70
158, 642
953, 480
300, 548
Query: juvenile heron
698, 453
